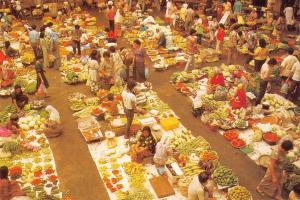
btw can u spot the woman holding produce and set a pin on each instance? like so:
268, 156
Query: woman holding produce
107, 71
18, 98
139, 67
200, 188
145, 146
93, 67
260, 55
272, 182
45, 46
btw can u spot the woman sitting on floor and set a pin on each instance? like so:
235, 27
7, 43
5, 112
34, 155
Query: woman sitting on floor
145, 147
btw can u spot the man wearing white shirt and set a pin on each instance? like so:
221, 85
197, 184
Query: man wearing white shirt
200, 187
34, 37
287, 64
129, 104
294, 90
265, 76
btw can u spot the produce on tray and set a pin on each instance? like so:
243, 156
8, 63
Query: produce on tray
136, 174
238, 143
195, 145
239, 193
231, 134
270, 138
225, 177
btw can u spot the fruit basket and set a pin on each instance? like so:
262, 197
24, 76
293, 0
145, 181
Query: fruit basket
231, 134
270, 138
238, 143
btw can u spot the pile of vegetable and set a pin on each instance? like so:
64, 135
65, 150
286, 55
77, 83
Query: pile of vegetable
6, 112
180, 137
136, 174
239, 193
195, 145
224, 176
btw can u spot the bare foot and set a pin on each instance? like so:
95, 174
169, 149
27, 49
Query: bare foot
260, 192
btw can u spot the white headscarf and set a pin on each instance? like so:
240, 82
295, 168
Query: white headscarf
53, 113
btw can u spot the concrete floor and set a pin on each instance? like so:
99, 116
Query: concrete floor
77, 172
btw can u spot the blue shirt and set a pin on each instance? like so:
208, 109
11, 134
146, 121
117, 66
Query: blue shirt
34, 36
237, 7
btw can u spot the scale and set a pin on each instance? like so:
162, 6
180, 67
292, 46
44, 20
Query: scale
111, 140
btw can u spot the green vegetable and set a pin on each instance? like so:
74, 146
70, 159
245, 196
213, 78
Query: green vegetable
224, 176
30, 88
12, 146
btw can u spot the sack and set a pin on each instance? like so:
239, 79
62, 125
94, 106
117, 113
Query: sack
284, 88
146, 72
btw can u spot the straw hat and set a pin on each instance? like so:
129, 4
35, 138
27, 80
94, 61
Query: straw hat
110, 3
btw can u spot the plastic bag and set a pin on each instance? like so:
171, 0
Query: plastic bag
284, 88
41, 92
146, 72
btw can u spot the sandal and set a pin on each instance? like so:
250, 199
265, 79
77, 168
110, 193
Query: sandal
260, 192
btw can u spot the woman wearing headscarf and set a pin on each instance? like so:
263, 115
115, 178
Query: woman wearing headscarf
53, 127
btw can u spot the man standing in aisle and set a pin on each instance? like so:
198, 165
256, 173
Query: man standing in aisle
76, 35
191, 43
34, 37
265, 76
54, 49
129, 104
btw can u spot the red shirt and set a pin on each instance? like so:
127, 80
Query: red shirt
241, 99
217, 79
220, 34
111, 35
2, 57
9, 189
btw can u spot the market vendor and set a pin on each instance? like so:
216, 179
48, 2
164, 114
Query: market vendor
110, 104
145, 147
240, 99
200, 188
161, 37
217, 78
53, 127
9, 51
13, 124
18, 98
272, 183
162, 152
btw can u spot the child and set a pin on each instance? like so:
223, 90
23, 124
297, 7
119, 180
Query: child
199, 29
